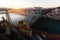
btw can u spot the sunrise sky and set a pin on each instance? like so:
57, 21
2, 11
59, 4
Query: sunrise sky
29, 3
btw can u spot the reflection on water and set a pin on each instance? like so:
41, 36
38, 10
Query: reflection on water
14, 17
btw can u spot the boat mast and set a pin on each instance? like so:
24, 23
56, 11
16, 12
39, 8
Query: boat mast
7, 16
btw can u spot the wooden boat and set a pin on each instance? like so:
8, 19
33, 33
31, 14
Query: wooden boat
50, 27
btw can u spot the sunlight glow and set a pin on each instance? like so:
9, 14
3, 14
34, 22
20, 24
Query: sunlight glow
29, 3
12, 3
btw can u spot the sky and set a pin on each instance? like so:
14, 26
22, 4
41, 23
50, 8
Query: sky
29, 3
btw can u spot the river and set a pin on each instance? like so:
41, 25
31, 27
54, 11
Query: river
15, 18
